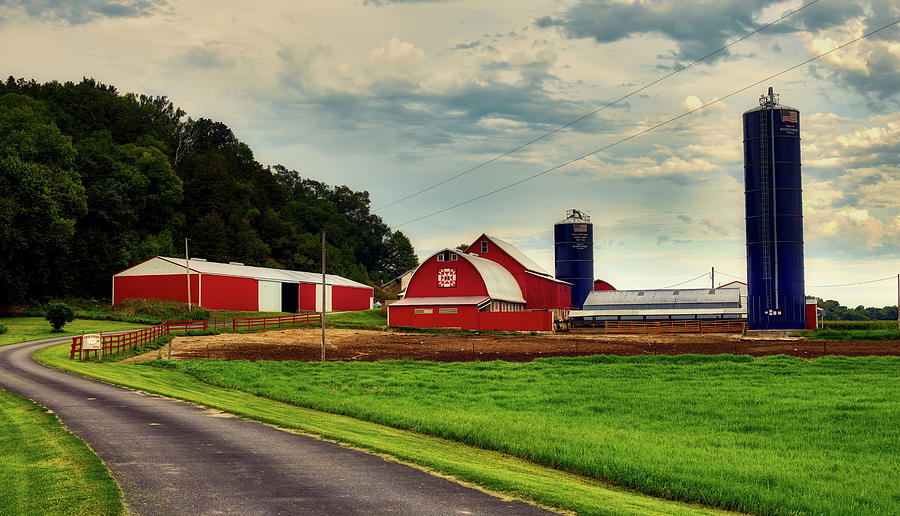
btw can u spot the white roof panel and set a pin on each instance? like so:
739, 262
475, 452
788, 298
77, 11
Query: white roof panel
258, 273
422, 301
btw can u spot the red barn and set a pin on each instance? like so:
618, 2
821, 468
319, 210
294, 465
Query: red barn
235, 286
451, 289
599, 284
542, 291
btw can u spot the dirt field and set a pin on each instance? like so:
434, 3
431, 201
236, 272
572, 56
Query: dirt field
305, 344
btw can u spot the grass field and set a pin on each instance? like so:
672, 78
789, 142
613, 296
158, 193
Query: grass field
487, 468
20, 329
842, 334
773, 435
44, 469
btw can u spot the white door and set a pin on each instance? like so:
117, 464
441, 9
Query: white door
269, 296
319, 298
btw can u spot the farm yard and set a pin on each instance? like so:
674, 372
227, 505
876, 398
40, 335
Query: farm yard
369, 345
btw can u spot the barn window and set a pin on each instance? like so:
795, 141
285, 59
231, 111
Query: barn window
447, 310
484, 246
424, 311
440, 257
453, 257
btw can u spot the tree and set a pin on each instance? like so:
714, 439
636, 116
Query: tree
59, 314
399, 257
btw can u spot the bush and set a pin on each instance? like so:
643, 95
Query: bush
2, 329
59, 314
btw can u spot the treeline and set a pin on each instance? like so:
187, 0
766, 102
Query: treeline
834, 311
93, 181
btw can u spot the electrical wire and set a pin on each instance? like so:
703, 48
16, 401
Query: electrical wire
649, 129
851, 284
688, 281
730, 275
594, 112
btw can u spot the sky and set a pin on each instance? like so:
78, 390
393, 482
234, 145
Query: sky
393, 97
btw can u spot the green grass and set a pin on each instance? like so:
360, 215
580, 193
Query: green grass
21, 329
859, 325
852, 334
362, 319
147, 311
44, 469
772, 435
491, 469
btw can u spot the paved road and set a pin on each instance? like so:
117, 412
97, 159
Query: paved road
171, 457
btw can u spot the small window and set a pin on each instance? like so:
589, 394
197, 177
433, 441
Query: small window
484, 246
453, 257
447, 310
440, 257
424, 311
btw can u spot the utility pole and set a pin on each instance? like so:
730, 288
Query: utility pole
323, 295
898, 301
712, 276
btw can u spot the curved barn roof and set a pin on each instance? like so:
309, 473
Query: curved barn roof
501, 285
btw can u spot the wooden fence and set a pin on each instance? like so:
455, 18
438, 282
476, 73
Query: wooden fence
274, 322
121, 342
689, 326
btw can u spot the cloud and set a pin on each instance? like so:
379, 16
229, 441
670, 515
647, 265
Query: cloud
82, 11
661, 239
716, 225
205, 57
685, 219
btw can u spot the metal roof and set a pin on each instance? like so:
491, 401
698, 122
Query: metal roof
517, 255
263, 273
422, 301
598, 298
500, 283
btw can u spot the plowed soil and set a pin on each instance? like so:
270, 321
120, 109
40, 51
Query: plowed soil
305, 344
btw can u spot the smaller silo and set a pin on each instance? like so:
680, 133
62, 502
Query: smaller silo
573, 240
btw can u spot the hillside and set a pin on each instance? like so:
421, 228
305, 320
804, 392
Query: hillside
93, 181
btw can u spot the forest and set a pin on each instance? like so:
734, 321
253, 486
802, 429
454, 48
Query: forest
93, 181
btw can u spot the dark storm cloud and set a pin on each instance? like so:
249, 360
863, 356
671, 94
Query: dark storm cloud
83, 11
697, 28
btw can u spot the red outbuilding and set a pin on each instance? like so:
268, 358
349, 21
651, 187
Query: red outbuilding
599, 284
235, 286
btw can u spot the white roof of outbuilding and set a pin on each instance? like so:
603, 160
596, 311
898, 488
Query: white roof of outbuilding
518, 256
245, 271
643, 297
501, 285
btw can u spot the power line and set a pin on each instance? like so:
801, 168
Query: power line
649, 129
730, 275
851, 284
688, 281
594, 112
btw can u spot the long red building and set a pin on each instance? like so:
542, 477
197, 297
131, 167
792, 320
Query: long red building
235, 286
492, 286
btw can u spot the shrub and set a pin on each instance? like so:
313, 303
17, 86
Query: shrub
59, 314
2, 329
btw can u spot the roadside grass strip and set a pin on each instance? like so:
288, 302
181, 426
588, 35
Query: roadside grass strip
771, 435
20, 329
493, 470
44, 469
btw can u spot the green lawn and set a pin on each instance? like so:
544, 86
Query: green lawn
20, 329
44, 469
364, 318
491, 469
852, 334
772, 435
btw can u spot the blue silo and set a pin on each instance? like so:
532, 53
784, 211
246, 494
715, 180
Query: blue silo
573, 240
774, 216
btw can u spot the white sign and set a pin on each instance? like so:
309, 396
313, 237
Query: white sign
91, 341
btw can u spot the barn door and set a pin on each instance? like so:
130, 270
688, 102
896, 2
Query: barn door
319, 298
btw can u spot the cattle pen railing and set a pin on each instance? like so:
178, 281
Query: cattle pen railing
683, 326
274, 322
115, 343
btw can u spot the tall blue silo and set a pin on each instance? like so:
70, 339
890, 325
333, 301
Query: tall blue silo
574, 249
774, 216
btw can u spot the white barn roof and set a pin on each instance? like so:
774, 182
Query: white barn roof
165, 265
599, 298
501, 285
